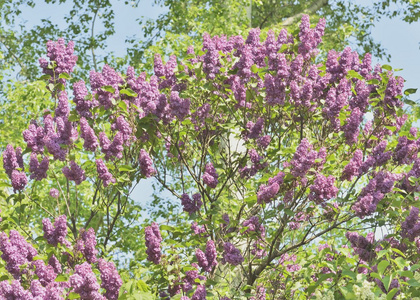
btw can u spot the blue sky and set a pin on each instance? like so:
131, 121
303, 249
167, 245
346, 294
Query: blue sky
400, 39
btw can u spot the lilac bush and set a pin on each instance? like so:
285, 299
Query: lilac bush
291, 161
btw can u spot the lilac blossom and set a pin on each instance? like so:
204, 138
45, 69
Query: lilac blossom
179, 107
254, 130
410, 228
84, 282
207, 260
15, 252
197, 229
210, 177
351, 129
38, 169
86, 244
267, 192
56, 233
34, 137
146, 164
74, 173
352, 168
200, 293
361, 245
54, 193
303, 159
253, 224
191, 205
87, 133
153, 240
110, 279
231, 255
322, 189
19, 180
12, 159
63, 57
103, 173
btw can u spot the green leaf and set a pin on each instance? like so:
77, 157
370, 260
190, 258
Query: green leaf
254, 69
129, 92
61, 278
375, 275
413, 282
354, 74
73, 295
382, 266
126, 168
45, 77
391, 294
386, 67
64, 76
410, 91
108, 88
387, 281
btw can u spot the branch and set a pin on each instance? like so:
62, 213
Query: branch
310, 10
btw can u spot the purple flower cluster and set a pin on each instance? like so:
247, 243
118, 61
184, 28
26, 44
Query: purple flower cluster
231, 255
374, 192
406, 150
210, 177
323, 189
87, 133
211, 63
392, 91
254, 130
207, 260
153, 240
74, 173
410, 228
38, 169
303, 159
351, 129
54, 193
310, 38
83, 105
289, 262
191, 277
111, 150
84, 282
103, 173
259, 293
256, 164
253, 225
12, 161
197, 229
146, 164
108, 78
16, 252
179, 107
34, 279
110, 279
363, 246
353, 167
335, 101
63, 57
56, 233
267, 192
191, 205
45, 273
124, 128
86, 244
